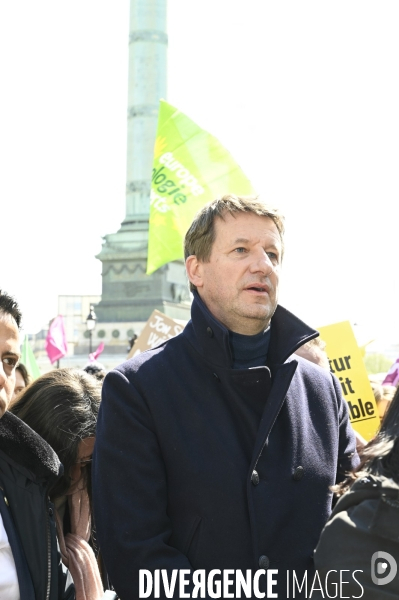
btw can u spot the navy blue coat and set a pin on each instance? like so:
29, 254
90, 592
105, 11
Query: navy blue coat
28, 468
181, 479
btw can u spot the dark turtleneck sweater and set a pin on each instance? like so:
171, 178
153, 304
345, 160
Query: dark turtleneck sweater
249, 350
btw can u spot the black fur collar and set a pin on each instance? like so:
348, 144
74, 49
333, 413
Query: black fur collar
27, 448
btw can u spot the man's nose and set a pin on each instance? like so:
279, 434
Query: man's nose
261, 263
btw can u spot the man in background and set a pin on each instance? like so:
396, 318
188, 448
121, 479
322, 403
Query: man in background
315, 351
30, 565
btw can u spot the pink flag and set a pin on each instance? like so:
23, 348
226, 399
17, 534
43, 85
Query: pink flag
94, 355
56, 342
392, 377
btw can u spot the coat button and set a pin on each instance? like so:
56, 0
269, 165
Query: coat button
209, 332
216, 376
264, 562
298, 473
255, 477
50, 512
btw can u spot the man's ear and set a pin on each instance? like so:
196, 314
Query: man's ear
194, 271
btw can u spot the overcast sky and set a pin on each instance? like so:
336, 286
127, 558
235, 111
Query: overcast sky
305, 95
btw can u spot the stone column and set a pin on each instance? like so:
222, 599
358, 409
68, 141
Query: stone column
128, 294
147, 85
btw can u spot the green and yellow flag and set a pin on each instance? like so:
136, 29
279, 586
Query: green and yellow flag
29, 360
191, 168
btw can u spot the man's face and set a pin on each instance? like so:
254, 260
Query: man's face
239, 284
9, 356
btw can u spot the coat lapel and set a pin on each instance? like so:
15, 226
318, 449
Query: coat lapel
279, 388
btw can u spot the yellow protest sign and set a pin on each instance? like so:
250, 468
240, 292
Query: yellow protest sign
347, 364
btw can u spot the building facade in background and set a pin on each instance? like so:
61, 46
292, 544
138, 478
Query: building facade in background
75, 310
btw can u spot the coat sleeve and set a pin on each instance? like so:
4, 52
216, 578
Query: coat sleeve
130, 490
347, 455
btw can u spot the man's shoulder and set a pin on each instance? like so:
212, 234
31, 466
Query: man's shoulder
316, 382
158, 357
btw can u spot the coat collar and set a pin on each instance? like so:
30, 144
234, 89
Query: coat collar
288, 333
27, 449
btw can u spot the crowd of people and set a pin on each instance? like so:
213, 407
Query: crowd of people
227, 448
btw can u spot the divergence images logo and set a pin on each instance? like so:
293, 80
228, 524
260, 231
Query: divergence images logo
380, 573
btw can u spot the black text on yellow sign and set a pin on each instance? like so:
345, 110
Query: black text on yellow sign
346, 362
358, 409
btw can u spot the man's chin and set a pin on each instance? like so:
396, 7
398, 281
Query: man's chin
254, 323
259, 312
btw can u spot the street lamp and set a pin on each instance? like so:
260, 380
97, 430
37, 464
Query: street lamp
90, 324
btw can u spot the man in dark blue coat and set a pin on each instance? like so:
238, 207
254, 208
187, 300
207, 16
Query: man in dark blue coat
217, 449
30, 563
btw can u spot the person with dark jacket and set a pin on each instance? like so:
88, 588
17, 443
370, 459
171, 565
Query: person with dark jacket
217, 449
362, 534
62, 407
30, 564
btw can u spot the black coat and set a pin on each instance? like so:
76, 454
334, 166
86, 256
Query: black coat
365, 520
28, 467
181, 478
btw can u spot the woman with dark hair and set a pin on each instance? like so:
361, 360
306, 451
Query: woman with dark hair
22, 380
62, 407
362, 534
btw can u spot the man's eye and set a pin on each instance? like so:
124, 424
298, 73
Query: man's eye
273, 256
10, 362
240, 250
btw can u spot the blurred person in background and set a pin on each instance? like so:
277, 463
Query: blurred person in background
376, 386
365, 520
96, 369
315, 351
30, 565
388, 393
383, 394
62, 407
22, 380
